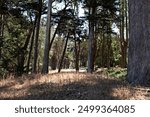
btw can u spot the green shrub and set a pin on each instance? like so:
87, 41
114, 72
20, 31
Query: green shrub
117, 72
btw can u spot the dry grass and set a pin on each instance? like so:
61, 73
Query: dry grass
69, 86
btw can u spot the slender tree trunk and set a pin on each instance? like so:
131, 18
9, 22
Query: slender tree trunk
53, 38
20, 68
51, 42
2, 25
34, 70
31, 46
103, 50
139, 42
22, 54
127, 29
63, 54
90, 41
28, 39
1, 22
127, 19
123, 41
77, 51
108, 50
47, 40
94, 48
54, 61
1, 32
30, 52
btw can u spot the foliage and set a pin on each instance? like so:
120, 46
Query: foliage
20, 27
117, 72
116, 50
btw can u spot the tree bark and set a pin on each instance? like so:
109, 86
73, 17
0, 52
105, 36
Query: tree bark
90, 43
31, 46
1, 25
22, 53
123, 41
127, 20
109, 41
77, 52
103, 50
34, 70
51, 42
1, 32
47, 40
94, 48
139, 42
63, 54
91, 38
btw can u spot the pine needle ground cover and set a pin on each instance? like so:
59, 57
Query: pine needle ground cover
70, 86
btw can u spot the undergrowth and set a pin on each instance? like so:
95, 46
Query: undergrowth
117, 72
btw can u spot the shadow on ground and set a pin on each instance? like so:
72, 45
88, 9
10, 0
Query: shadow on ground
91, 89
88, 88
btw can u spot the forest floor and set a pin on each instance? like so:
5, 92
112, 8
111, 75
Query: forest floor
70, 86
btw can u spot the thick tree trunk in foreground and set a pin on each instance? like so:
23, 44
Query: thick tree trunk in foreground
139, 42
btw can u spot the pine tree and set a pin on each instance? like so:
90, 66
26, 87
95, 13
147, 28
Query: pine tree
47, 40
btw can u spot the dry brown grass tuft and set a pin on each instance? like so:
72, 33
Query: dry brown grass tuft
69, 85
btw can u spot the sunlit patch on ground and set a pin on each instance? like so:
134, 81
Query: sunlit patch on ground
69, 85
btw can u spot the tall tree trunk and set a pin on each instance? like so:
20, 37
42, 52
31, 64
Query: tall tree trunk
22, 54
34, 70
108, 50
90, 41
53, 62
1, 32
51, 42
139, 42
20, 62
127, 29
123, 41
1, 25
94, 48
31, 46
103, 50
63, 54
77, 52
54, 35
47, 40
127, 21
